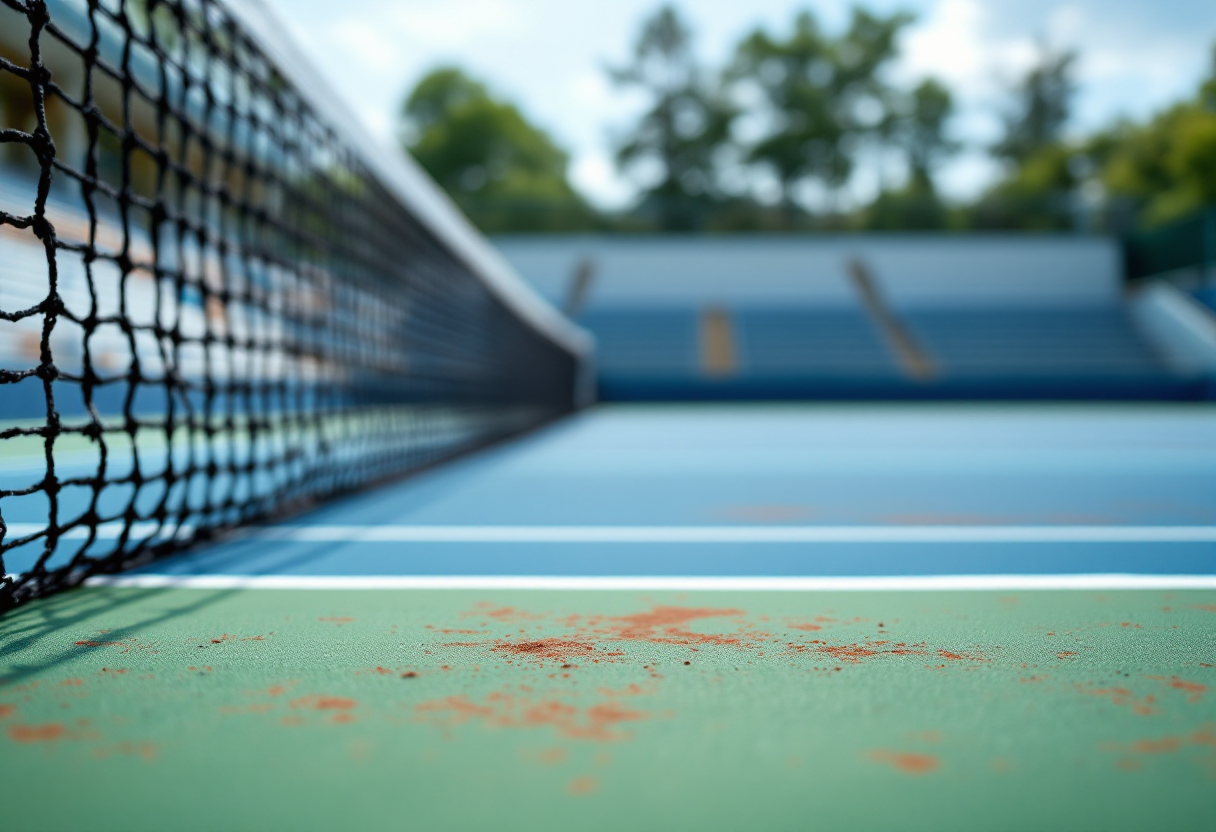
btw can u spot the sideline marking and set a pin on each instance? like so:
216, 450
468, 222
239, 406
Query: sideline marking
669, 534
735, 534
914, 583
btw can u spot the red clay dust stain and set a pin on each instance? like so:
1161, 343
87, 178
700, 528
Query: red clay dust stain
581, 786
1204, 737
546, 648
856, 653
906, 761
659, 625
324, 703
1194, 690
1160, 746
1123, 697
598, 723
550, 756
669, 625
275, 690
48, 732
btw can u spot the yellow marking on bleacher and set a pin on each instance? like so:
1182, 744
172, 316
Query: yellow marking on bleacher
717, 343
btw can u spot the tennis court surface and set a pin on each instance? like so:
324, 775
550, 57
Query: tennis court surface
743, 617
308, 520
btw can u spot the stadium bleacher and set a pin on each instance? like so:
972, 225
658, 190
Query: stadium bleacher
1044, 318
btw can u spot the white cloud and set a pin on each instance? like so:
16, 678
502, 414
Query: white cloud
595, 173
1068, 23
455, 24
370, 46
948, 46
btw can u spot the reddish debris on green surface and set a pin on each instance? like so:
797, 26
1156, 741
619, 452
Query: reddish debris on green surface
580, 786
906, 761
546, 648
1142, 706
504, 710
47, 732
324, 703
1194, 690
668, 625
1203, 738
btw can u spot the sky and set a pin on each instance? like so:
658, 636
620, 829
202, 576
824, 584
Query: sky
549, 57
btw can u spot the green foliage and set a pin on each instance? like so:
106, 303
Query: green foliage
922, 129
915, 207
822, 104
1169, 164
1042, 106
816, 87
1040, 189
1160, 170
504, 172
684, 128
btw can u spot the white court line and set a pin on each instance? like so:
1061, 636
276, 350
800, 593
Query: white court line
736, 534
910, 583
679, 534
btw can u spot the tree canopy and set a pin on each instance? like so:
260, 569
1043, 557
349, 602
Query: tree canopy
778, 136
686, 122
816, 88
503, 171
1168, 165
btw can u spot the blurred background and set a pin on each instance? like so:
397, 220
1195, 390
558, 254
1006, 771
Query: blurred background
781, 115
782, 199
831, 200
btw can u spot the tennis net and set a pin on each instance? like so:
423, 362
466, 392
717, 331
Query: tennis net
220, 300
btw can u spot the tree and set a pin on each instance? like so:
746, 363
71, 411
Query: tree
504, 172
817, 89
1043, 171
1168, 165
1041, 107
923, 131
684, 128
917, 121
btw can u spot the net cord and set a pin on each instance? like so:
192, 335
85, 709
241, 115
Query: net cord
414, 188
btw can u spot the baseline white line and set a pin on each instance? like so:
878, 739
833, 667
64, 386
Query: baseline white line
671, 534
911, 583
736, 534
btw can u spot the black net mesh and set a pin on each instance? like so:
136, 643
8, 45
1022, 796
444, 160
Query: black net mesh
212, 310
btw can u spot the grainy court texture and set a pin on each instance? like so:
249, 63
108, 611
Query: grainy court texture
188, 709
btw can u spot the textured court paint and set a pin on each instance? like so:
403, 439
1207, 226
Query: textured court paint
185, 709
763, 466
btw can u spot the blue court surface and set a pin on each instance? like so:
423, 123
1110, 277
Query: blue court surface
978, 495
